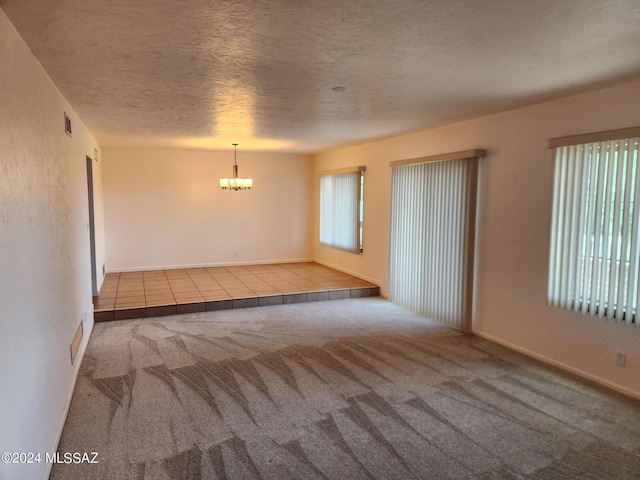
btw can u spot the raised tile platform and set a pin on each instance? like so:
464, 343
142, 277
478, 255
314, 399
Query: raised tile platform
169, 292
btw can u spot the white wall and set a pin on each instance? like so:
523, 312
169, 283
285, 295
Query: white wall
165, 209
45, 282
514, 222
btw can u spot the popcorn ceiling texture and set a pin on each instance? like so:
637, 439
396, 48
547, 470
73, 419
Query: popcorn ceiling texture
349, 389
200, 74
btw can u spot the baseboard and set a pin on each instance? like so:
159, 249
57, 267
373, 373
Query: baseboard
349, 272
209, 265
562, 366
63, 420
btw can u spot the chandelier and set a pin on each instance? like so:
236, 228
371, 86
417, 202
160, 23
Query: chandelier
236, 183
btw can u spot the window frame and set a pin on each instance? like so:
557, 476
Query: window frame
595, 198
358, 205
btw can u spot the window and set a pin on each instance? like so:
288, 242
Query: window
342, 209
595, 247
433, 211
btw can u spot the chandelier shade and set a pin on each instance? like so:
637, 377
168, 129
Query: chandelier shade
235, 182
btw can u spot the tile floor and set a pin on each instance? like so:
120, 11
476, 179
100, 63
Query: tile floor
169, 292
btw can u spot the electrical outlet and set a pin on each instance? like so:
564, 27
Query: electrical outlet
236, 253
621, 358
67, 124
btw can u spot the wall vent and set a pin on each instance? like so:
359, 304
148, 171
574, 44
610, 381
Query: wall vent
75, 344
67, 124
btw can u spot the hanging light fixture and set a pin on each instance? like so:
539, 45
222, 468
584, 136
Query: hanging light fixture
236, 183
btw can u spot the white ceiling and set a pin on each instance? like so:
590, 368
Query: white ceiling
204, 74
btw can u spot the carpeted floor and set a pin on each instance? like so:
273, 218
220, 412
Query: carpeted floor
350, 389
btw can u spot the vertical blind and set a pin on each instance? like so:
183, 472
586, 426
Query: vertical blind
340, 210
595, 245
432, 228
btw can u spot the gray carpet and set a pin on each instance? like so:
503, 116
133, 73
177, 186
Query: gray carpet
350, 389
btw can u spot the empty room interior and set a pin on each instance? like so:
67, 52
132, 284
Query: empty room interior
332, 240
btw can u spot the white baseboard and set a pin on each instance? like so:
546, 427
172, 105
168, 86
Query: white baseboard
208, 265
563, 366
349, 272
65, 413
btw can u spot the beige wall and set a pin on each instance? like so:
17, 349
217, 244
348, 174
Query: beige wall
513, 234
165, 209
45, 282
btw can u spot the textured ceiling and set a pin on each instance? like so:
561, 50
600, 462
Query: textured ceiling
204, 74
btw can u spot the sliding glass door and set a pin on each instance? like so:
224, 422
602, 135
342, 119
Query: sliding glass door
432, 237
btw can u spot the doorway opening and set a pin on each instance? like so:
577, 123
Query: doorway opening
92, 227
